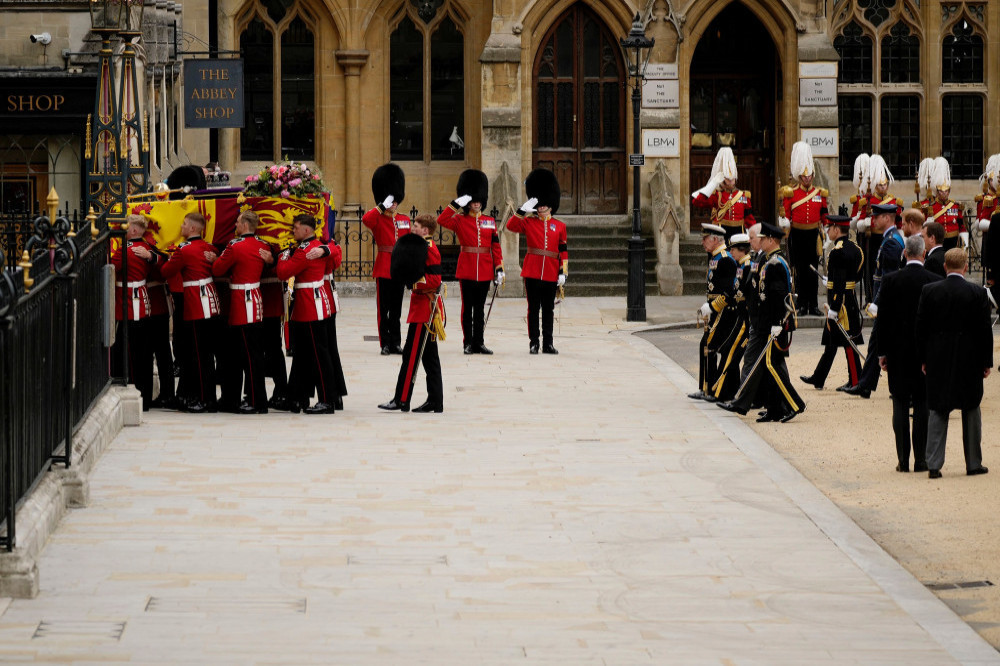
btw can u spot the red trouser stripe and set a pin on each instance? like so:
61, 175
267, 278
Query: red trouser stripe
411, 364
852, 365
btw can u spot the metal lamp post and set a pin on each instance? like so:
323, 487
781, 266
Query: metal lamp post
634, 45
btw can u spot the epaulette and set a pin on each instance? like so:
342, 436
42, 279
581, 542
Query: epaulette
775, 259
824, 193
854, 199
978, 197
785, 192
746, 193
839, 244
235, 240
988, 200
184, 244
899, 202
919, 205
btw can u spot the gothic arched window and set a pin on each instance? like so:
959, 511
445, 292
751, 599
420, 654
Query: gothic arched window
855, 49
900, 55
962, 55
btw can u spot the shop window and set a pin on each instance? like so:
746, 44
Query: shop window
900, 55
962, 134
855, 49
427, 69
962, 55
854, 113
900, 132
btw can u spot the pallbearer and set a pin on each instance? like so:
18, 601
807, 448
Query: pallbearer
805, 211
730, 206
387, 225
942, 208
480, 261
546, 262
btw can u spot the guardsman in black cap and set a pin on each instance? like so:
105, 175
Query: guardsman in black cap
546, 263
775, 319
731, 352
718, 311
387, 225
844, 270
480, 262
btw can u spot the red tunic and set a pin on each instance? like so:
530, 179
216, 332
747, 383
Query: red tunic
311, 300
272, 290
241, 260
424, 291
333, 261
138, 268
737, 216
200, 298
546, 241
948, 214
477, 234
386, 229
808, 215
986, 205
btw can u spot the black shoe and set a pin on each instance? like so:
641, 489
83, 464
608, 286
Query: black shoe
791, 415
977, 471
767, 418
858, 391
710, 398
285, 405
904, 468
919, 467
386, 350
801, 312
815, 311
195, 407
468, 350
812, 382
427, 407
250, 409
933, 474
549, 349
483, 349
533, 349
396, 349
229, 408
394, 406
320, 408
338, 402
730, 406
844, 387
166, 403
697, 395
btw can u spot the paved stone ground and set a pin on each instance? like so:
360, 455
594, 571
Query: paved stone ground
573, 509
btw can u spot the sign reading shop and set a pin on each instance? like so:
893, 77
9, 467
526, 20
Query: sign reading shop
213, 93
48, 104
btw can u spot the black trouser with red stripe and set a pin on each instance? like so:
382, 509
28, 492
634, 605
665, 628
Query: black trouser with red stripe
198, 365
826, 362
274, 355
248, 368
417, 335
340, 384
311, 364
474, 294
140, 358
389, 302
541, 295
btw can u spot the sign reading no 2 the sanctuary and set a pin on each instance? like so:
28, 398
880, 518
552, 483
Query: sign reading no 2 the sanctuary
213, 93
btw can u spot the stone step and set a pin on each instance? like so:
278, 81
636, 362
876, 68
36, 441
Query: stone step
578, 265
584, 222
606, 290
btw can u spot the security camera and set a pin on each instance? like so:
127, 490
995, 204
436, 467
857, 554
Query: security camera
42, 38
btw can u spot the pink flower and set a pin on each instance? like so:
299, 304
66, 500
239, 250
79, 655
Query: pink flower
278, 183
273, 169
295, 182
285, 194
315, 177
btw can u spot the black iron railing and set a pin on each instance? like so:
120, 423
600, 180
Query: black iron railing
53, 363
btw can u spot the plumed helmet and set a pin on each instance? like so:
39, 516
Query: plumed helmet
409, 259
475, 184
389, 179
861, 173
923, 183
543, 185
990, 175
189, 175
725, 163
802, 159
878, 172
940, 174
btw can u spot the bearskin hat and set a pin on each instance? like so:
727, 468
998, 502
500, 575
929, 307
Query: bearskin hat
543, 185
389, 179
409, 259
189, 175
475, 184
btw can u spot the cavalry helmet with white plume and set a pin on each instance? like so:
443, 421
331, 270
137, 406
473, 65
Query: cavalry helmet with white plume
940, 175
725, 164
878, 172
923, 183
802, 159
861, 173
989, 176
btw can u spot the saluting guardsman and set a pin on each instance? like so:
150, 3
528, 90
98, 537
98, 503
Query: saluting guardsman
730, 206
546, 263
243, 261
141, 258
718, 311
942, 208
774, 319
480, 262
311, 363
387, 225
417, 261
731, 352
192, 260
843, 315
805, 211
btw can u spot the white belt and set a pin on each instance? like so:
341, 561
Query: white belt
309, 285
135, 296
246, 286
198, 283
328, 277
133, 285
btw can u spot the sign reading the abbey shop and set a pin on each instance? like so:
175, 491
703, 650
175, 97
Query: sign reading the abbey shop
213, 93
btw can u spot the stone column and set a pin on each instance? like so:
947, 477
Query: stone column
352, 61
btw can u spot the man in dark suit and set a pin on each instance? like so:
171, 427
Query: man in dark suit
955, 347
898, 299
933, 233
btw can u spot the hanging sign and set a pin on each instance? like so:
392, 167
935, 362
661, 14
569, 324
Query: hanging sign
213, 93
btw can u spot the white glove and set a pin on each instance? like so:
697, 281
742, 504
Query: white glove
831, 313
864, 225
854, 222
562, 279
463, 200
872, 309
984, 225
775, 331
388, 201
964, 235
529, 205
500, 278
705, 310
784, 223
711, 186
824, 279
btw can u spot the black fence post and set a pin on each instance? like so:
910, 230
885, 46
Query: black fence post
8, 498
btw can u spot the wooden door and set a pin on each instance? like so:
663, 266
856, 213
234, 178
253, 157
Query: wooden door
579, 130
